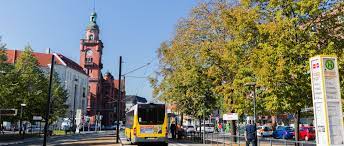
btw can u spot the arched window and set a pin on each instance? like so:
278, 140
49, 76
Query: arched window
90, 37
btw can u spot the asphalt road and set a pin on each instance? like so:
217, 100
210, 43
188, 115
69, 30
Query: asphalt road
101, 138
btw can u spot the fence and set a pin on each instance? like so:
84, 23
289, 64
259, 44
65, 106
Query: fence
224, 139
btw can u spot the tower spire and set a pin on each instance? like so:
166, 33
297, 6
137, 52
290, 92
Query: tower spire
94, 5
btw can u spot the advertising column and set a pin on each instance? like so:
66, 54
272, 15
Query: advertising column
326, 101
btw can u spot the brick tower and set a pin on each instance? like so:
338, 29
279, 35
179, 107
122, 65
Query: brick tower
91, 60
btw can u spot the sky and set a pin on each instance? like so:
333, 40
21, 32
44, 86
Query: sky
132, 29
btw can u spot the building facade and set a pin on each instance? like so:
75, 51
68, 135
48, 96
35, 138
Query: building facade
103, 92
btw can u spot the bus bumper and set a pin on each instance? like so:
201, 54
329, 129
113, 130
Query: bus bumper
149, 139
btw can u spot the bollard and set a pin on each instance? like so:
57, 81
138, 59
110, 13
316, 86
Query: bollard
224, 140
270, 142
212, 136
217, 139
285, 142
239, 139
258, 142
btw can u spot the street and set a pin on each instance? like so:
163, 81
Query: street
101, 138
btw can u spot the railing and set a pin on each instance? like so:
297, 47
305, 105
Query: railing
224, 139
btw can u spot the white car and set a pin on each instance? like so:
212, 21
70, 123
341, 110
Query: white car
190, 129
264, 131
209, 128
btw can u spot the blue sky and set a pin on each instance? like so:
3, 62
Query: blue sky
131, 28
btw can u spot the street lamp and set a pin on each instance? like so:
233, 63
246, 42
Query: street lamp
253, 84
21, 117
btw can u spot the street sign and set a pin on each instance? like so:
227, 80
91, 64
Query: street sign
327, 101
8, 112
230, 116
37, 118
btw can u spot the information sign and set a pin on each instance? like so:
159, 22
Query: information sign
326, 101
230, 116
8, 112
37, 118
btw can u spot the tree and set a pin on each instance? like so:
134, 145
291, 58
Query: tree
189, 62
31, 84
282, 54
221, 46
7, 80
27, 83
58, 102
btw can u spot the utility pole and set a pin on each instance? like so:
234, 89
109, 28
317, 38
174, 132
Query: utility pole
255, 114
48, 101
74, 113
253, 84
119, 96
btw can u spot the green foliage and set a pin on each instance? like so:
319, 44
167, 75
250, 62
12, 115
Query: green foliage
25, 82
221, 46
58, 107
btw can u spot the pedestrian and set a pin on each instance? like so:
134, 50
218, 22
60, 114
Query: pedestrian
250, 134
220, 127
173, 130
2, 129
217, 127
227, 127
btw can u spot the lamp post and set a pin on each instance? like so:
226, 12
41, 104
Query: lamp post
21, 118
253, 84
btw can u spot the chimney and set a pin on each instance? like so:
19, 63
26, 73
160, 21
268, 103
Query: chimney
48, 51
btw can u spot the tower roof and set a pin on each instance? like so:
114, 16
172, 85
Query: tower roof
93, 21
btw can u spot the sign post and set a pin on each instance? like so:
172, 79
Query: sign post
327, 103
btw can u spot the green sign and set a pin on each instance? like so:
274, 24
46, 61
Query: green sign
329, 64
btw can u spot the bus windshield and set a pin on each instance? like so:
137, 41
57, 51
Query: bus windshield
151, 114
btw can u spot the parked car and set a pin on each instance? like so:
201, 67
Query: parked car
108, 127
307, 133
264, 131
209, 128
285, 132
190, 129
35, 128
122, 127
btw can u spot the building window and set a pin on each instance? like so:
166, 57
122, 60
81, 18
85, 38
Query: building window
89, 60
84, 92
83, 104
90, 37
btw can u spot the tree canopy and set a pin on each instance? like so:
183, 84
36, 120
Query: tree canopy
223, 44
25, 82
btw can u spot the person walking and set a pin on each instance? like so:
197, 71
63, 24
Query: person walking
2, 129
250, 134
173, 130
220, 127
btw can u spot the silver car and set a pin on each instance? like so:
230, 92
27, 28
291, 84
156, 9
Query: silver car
190, 129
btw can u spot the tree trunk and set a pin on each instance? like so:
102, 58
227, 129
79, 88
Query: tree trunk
200, 123
296, 123
233, 132
181, 119
274, 122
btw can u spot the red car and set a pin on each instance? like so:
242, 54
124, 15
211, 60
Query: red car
307, 133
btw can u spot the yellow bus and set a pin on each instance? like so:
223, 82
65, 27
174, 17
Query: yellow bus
147, 123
